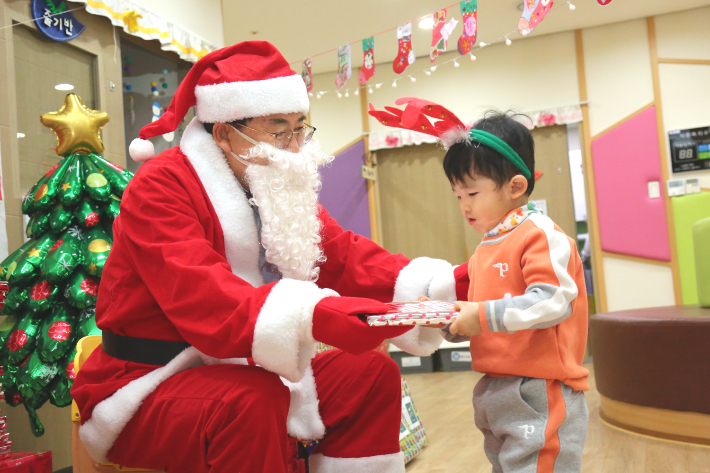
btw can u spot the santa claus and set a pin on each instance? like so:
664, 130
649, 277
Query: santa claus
224, 274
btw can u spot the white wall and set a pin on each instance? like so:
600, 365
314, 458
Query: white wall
337, 121
203, 18
541, 72
618, 69
685, 88
684, 35
532, 74
633, 285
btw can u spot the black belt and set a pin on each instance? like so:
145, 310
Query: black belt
141, 350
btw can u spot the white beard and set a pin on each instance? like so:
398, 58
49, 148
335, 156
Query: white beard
286, 192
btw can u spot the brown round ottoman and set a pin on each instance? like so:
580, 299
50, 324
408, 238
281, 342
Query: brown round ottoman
652, 370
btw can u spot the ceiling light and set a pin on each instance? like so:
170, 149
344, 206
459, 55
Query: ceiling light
413, 79
20, 135
427, 73
377, 86
64, 87
357, 91
433, 68
318, 96
456, 64
427, 23
394, 83
473, 58
340, 96
370, 89
571, 6
508, 42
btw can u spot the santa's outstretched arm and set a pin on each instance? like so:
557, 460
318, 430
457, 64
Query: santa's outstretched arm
356, 266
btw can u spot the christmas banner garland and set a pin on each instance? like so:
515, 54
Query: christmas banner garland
443, 28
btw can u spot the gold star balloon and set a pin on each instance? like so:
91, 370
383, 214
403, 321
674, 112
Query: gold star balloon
78, 128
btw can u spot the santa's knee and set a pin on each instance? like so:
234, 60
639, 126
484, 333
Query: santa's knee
388, 380
261, 402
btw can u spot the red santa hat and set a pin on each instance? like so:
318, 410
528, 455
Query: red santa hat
246, 80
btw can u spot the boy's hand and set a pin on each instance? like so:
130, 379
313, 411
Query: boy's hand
467, 322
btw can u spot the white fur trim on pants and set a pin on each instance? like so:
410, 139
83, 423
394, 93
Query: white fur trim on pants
283, 333
229, 101
392, 463
111, 415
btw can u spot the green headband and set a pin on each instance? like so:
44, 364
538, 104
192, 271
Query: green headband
495, 143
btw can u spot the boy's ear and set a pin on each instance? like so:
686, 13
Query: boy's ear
518, 186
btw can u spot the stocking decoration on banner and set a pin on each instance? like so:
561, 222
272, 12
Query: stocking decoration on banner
405, 55
604, 2
441, 33
533, 13
470, 25
368, 60
306, 74
344, 70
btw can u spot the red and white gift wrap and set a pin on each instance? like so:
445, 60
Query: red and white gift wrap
184, 267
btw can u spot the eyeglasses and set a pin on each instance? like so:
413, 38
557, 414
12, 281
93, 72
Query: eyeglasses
283, 138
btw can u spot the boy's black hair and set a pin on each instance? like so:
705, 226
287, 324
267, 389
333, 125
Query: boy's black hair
468, 158
209, 127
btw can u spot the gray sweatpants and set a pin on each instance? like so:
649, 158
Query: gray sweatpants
531, 425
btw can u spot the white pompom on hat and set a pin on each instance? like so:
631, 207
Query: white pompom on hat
246, 80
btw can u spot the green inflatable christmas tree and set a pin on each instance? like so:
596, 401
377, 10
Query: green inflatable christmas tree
54, 277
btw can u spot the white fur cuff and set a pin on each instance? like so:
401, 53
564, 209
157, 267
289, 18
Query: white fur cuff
443, 285
392, 463
416, 279
420, 341
283, 333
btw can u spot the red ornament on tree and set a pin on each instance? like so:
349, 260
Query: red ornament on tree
90, 286
91, 219
16, 398
70, 371
40, 291
56, 245
59, 331
16, 340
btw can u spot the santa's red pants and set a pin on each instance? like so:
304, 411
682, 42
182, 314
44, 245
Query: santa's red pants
232, 418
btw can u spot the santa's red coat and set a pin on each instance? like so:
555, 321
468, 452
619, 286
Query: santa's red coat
184, 267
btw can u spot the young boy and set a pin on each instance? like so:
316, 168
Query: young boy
526, 313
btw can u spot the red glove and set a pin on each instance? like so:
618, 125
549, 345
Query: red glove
336, 323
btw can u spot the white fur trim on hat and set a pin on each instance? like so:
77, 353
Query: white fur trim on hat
283, 332
223, 103
392, 463
141, 150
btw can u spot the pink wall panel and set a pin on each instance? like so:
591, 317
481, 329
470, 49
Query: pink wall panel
625, 160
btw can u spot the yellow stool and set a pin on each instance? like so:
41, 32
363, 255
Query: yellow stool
82, 462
